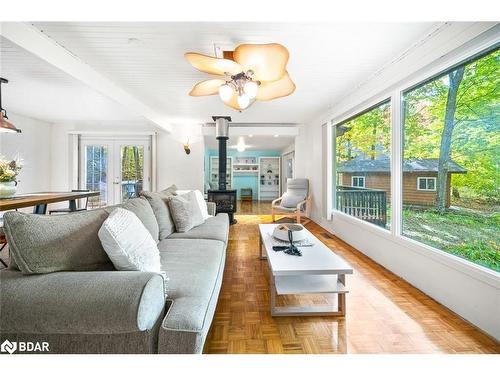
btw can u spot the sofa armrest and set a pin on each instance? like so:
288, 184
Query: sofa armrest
101, 302
211, 207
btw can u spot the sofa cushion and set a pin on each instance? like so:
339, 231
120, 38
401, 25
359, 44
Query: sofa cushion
185, 211
128, 243
194, 268
46, 243
142, 209
214, 228
171, 190
159, 205
291, 200
80, 302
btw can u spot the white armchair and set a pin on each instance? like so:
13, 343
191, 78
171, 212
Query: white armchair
295, 202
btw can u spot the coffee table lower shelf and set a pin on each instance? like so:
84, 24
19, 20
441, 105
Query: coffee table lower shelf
308, 284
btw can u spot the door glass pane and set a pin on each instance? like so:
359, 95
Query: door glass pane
289, 173
96, 169
132, 171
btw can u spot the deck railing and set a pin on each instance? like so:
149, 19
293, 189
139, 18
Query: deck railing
366, 204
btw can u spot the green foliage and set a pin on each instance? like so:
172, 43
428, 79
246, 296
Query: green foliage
470, 235
476, 137
367, 136
132, 159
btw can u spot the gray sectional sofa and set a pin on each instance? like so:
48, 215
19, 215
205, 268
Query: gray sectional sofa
62, 289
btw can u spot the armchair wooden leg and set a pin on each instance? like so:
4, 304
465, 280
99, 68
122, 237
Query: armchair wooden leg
298, 217
272, 214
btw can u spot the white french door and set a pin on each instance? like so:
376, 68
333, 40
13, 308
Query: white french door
119, 168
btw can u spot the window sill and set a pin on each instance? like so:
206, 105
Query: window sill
467, 267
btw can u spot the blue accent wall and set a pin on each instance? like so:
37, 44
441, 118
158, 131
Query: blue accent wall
245, 180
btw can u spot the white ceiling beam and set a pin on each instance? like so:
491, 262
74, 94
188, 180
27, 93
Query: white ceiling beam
34, 41
255, 130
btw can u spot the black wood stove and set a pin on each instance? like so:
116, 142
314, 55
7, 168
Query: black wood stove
224, 199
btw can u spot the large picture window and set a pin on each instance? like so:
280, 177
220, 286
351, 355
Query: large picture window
363, 167
451, 176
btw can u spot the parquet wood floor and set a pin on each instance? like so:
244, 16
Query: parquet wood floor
384, 313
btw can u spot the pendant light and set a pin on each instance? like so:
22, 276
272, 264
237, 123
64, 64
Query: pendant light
5, 126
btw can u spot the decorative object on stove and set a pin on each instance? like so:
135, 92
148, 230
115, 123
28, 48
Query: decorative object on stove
5, 126
249, 73
225, 200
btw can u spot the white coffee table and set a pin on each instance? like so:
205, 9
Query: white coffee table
317, 271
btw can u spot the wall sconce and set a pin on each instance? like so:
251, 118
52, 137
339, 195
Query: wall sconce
186, 148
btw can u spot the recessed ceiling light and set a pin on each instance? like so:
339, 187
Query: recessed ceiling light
276, 135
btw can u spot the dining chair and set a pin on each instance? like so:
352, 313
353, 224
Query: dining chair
68, 209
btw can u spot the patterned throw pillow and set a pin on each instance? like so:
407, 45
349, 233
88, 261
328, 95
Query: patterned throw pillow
185, 211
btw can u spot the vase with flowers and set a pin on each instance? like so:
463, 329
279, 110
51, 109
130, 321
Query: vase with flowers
9, 169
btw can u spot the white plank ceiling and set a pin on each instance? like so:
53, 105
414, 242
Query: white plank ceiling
327, 61
37, 89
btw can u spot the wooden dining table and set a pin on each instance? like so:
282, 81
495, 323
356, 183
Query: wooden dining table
39, 201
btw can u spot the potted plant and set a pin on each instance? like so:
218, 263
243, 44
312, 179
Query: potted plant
9, 169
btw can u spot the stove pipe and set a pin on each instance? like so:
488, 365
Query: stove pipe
222, 135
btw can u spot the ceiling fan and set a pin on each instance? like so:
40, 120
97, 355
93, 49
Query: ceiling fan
251, 72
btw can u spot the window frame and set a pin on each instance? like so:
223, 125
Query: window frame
358, 177
394, 93
377, 101
426, 183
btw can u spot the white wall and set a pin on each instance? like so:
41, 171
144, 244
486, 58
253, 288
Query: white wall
33, 145
302, 148
176, 167
471, 291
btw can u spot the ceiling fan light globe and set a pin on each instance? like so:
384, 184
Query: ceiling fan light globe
243, 101
225, 92
251, 88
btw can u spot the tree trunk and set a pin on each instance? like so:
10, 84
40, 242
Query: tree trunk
374, 144
455, 78
136, 163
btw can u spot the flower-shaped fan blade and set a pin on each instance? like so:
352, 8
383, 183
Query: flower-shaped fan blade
212, 65
276, 89
267, 61
208, 87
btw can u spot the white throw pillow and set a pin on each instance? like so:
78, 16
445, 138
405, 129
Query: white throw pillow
128, 243
201, 202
